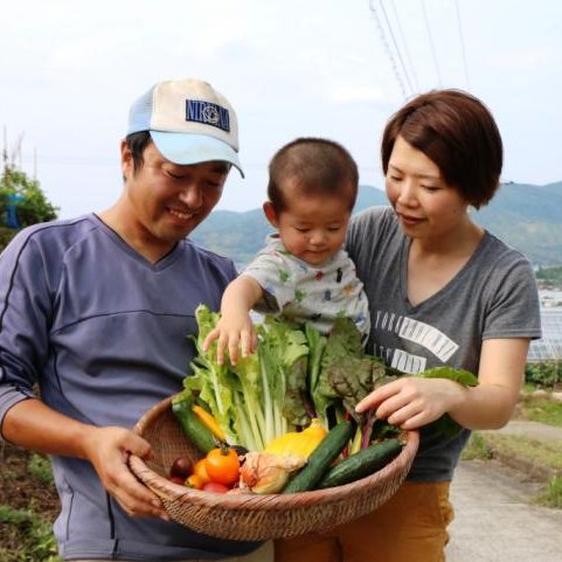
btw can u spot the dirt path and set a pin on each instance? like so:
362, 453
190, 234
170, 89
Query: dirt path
495, 521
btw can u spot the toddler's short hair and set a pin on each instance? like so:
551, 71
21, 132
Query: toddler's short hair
317, 166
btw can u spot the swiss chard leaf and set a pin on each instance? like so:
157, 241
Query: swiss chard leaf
445, 424
466, 378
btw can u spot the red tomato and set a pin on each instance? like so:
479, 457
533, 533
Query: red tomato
215, 487
223, 466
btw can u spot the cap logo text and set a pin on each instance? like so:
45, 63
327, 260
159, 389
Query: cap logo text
207, 113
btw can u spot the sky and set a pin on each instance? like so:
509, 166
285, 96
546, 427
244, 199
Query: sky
69, 71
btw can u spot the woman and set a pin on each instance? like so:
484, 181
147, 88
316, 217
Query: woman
442, 291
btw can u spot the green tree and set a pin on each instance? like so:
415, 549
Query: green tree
31, 204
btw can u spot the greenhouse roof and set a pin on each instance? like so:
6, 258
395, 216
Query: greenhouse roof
549, 347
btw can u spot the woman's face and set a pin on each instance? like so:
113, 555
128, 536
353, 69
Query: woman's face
426, 206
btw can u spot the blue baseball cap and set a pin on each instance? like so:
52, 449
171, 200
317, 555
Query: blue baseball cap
189, 122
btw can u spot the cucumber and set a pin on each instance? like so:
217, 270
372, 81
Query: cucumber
195, 430
321, 459
361, 464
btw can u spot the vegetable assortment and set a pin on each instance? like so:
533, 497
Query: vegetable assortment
281, 418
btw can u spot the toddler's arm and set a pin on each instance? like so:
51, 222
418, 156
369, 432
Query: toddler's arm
235, 330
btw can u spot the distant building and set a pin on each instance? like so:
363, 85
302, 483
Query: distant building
549, 347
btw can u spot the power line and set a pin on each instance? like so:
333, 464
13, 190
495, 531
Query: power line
465, 65
405, 43
433, 52
397, 49
388, 49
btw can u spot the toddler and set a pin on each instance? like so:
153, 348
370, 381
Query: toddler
303, 273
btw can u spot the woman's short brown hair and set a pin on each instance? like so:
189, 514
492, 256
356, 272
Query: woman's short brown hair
458, 133
317, 167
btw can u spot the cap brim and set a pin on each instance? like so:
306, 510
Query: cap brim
186, 148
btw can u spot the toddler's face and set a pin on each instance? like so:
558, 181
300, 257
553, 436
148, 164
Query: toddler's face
313, 228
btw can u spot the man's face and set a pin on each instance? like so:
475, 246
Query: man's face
169, 200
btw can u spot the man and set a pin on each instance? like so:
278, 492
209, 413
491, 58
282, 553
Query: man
96, 310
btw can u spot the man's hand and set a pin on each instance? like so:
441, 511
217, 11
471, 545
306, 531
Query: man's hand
234, 332
35, 425
412, 402
108, 449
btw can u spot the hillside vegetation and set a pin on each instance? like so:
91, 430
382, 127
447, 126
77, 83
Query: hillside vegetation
528, 217
550, 276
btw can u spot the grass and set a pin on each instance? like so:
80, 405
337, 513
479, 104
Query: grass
477, 449
28, 506
485, 446
40, 467
552, 494
547, 455
542, 410
38, 543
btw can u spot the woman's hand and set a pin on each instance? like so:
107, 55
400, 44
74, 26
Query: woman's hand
108, 449
412, 402
234, 332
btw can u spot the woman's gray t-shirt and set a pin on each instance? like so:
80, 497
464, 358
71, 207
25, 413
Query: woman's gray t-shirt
493, 296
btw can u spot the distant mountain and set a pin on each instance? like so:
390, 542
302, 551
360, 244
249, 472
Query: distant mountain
240, 235
528, 217
236, 235
368, 196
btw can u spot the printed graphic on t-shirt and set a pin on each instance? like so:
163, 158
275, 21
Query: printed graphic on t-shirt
401, 360
420, 333
407, 362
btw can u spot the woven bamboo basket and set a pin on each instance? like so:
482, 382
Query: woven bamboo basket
249, 516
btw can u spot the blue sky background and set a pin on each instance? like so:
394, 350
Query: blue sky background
70, 70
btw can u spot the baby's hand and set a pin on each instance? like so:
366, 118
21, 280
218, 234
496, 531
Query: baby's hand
233, 333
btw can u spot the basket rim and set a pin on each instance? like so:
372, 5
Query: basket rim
169, 490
